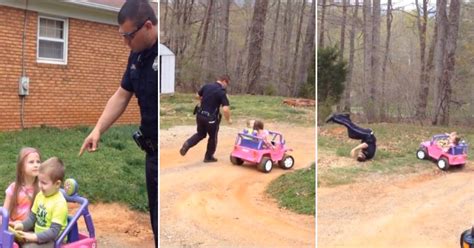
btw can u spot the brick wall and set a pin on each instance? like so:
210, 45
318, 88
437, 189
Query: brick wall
61, 95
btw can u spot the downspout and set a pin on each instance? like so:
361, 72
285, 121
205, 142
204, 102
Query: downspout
23, 67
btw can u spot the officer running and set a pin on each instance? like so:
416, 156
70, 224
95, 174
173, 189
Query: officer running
208, 117
138, 27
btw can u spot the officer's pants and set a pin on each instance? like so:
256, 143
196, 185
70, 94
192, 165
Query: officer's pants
353, 131
152, 190
204, 127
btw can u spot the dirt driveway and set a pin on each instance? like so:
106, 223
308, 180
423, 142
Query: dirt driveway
218, 204
119, 227
426, 209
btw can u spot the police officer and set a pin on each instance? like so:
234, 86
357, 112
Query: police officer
138, 27
208, 117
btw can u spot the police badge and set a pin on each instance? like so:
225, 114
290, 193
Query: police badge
155, 64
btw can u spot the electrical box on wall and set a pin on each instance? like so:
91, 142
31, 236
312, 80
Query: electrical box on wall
23, 86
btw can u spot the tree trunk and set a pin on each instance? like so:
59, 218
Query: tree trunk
203, 46
165, 24
347, 88
342, 39
257, 31
442, 22
321, 25
224, 38
271, 72
383, 109
451, 44
308, 48
375, 62
369, 105
285, 49
295, 58
422, 23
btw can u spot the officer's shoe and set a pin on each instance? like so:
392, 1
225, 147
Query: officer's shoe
210, 160
184, 149
329, 118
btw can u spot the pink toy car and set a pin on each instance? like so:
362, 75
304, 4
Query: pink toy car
456, 155
75, 238
252, 149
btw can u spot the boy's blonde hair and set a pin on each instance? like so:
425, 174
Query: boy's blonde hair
54, 168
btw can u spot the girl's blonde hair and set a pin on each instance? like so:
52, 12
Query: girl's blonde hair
20, 176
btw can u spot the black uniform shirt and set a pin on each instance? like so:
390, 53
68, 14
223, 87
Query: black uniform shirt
369, 152
213, 96
141, 77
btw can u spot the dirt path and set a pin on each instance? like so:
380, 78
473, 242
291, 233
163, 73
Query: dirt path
428, 209
219, 204
117, 226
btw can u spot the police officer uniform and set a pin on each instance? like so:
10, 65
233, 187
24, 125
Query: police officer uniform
141, 77
208, 118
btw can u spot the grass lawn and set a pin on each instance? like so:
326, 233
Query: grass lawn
178, 110
396, 147
296, 190
115, 173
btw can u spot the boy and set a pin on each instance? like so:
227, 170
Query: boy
48, 214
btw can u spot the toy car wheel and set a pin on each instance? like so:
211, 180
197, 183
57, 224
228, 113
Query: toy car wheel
443, 163
421, 153
265, 165
467, 239
287, 162
236, 160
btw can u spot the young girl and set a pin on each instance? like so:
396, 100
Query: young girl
453, 140
21, 193
262, 133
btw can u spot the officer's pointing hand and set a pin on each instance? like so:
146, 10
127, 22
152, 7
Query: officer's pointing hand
90, 143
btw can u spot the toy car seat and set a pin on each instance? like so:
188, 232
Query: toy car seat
73, 234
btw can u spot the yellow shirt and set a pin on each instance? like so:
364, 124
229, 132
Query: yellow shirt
48, 210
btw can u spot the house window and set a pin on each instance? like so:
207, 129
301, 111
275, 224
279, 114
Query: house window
52, 40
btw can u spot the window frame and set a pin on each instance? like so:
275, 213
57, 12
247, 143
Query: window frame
62, 61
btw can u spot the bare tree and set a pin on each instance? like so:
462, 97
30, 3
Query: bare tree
385, 60
206, 22
297, 44
165, 24
448, 72
422, 22
272, 47
375, 61
367, 12
257, 31
321, 24
439, 63
285, 48
350, 71
342, 39
224, 37
308, 48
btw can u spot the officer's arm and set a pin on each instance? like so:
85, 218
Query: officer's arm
114, 109
226, 111
356, 149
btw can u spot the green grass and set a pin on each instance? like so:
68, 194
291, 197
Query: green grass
115, 173
295, 190
177, 110
396, 147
